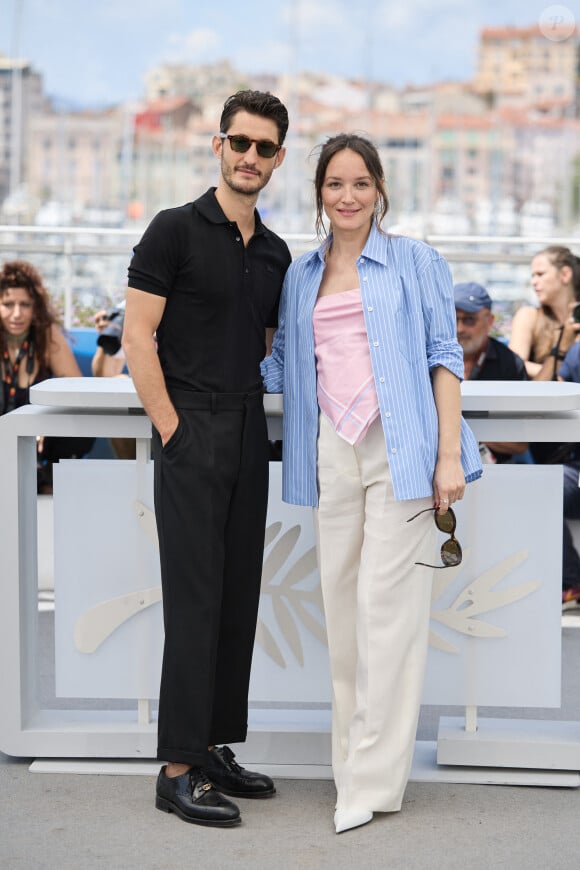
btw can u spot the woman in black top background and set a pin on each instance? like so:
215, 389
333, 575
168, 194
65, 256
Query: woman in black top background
32, 349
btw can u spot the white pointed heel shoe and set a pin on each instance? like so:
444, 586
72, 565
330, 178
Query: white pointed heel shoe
344, 820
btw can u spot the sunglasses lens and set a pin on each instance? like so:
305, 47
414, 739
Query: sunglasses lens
266, 149
451, 553
240, 144
445, 522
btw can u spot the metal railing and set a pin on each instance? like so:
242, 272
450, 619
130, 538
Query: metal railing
73, 245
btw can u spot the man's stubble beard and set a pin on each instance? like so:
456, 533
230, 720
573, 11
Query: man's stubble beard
261, 180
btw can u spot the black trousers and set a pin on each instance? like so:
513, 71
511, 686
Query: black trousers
211, 491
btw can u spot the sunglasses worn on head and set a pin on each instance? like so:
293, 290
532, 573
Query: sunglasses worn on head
241, 144
451, 554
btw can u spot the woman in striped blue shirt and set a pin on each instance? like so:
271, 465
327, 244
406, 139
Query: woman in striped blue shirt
367, 358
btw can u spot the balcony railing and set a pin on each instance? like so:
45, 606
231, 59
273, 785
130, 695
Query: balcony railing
87, 266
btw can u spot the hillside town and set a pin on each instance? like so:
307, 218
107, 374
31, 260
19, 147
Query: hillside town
496, 155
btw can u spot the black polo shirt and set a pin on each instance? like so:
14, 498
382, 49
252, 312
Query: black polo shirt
501, 364
221, 295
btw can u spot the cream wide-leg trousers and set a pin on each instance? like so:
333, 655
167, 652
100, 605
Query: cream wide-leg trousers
377, 605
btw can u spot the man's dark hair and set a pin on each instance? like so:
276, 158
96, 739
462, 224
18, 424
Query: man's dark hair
261, 103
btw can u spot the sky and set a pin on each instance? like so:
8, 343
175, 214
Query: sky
96, 53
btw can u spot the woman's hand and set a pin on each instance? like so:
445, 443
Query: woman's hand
448, 483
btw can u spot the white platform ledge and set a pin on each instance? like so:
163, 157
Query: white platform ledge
524, 743
424, 769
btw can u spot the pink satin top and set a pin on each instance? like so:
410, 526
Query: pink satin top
345, 384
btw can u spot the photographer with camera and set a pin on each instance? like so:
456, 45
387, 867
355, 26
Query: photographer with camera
109, 358
109, 362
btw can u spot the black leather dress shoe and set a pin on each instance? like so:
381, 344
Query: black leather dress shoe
227, 776
194, 799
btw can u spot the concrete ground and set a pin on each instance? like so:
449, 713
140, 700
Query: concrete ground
61, 822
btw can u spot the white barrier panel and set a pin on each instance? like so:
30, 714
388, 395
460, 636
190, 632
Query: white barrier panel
108, 620
495, 620
495, 638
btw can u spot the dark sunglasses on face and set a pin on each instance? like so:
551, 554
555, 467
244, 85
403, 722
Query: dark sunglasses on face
241, 144
451, 554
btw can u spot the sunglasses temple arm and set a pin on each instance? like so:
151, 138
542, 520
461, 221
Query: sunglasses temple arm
436, 567
424, 511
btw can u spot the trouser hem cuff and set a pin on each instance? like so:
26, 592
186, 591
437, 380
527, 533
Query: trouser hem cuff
179, 756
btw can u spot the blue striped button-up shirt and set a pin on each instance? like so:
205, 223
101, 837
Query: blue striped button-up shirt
407, 297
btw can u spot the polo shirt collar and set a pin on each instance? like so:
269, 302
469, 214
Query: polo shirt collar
208, 206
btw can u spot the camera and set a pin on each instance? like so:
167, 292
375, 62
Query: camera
576, 313
110, 337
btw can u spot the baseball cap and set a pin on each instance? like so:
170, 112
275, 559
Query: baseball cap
471, 297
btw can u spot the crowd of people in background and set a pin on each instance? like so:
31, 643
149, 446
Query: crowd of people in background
543, 345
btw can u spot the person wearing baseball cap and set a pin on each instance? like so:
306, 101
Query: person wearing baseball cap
485, 358
471, 297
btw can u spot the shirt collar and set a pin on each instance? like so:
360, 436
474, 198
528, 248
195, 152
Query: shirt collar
490, 349
208, 206
376, 247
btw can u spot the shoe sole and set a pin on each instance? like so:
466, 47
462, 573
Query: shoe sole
244, 794
167, 807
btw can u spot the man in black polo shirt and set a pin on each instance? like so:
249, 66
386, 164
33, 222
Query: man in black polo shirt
206, 279
485, 358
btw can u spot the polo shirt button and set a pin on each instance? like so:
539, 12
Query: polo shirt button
382, 380
393, 449
370, 308
362, 259
375, 344
388, 414
365, 278
238, 239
